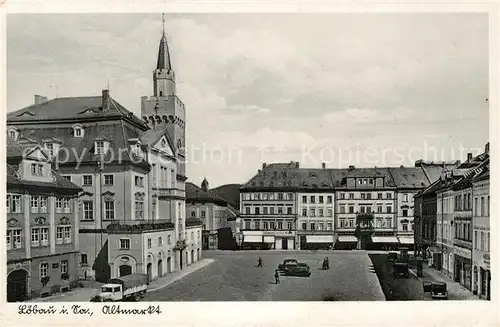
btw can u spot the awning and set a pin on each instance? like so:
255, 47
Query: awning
319, 238
252, 239
406, 240
347, 238
385, 239
268, 239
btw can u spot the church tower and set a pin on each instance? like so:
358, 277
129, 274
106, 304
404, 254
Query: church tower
164, 110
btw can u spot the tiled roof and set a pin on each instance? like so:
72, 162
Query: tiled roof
196, 194
71, 108
365, 172
409, 177
81, 149
229, 192
14, 157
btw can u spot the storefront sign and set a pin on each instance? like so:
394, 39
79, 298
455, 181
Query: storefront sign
463, 252
279, 233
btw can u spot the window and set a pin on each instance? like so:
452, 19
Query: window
99, 147
363, 196
203, 214
328, 226
64, 267
193, 214
369, 196
379, 209
257, 210
343, 223
16, 204
35, 237
109, 210
108, 179
405, 197
329, 212
88, 210
257, 225
341, 196
304, 226
289, 225
379, 196
150, 243
33, 169
389, 209
265, 225
169, 239
405, 212
83, 259
405, 226
139, 209
44, 270
272, 225
271, 210
124, 244
44, 236
280, 210
351, 209
362, 209
288, 210
369, 209
388, 222
304, 199
77, 132
329, 199
320, 199
265, 210
139, 181
280, 225
389, 195
312, 212
247, 210
247, 225
351, 196
63, 234
87, 180
482, 206
313, 199
13, 239
313, 226
34, 203
320, 226
290, 196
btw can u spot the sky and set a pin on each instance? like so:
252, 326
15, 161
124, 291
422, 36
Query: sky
344, 89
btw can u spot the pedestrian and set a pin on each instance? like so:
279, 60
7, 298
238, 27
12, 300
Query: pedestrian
277, 276
260, 262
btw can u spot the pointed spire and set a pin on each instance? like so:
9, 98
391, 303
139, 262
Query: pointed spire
163, 53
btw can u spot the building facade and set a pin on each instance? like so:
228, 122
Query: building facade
131, 171
42, 225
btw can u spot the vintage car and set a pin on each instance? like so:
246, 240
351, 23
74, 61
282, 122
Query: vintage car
281, 266
392, 257
437, 289
297, 269
401, 269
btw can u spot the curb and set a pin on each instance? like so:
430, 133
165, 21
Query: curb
180, 276
414, 274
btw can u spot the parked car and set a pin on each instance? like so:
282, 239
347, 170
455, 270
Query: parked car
297, 269
132, 286
281, 266
437, 289
392, 257
401, 269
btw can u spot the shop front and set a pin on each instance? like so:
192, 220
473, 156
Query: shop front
463, 267
386, 243
253, 240
284, 241
406, 243
346, 242
482, 276
318, 242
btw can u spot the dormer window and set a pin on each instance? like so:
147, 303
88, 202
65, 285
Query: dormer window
13, 133
78, 130
101, 147
36, 169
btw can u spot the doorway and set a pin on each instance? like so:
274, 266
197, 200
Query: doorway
125, 270
17, 285
198, 254
284, 243
180, 260
149, 271
160, 268
192, 256
169, 265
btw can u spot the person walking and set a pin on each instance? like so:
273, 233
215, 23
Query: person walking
260, 262
277, 276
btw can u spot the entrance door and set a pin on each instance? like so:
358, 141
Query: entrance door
180, 260
169, 265
125, 270
284, 243
198, 254
17, 285
149, 269
192, 256
160, 268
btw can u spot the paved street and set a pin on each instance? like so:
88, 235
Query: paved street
235, 277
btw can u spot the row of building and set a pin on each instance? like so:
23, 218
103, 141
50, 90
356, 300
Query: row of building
287, 207
452, 223
95, 192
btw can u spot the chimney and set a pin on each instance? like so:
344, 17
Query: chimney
264, 165
351, 167
487, 148
297, 165
105, 100
469, 156
323, 165
40, 99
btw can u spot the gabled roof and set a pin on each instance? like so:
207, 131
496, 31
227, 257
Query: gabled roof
409, 177
71, 108
152, 136
14, 158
